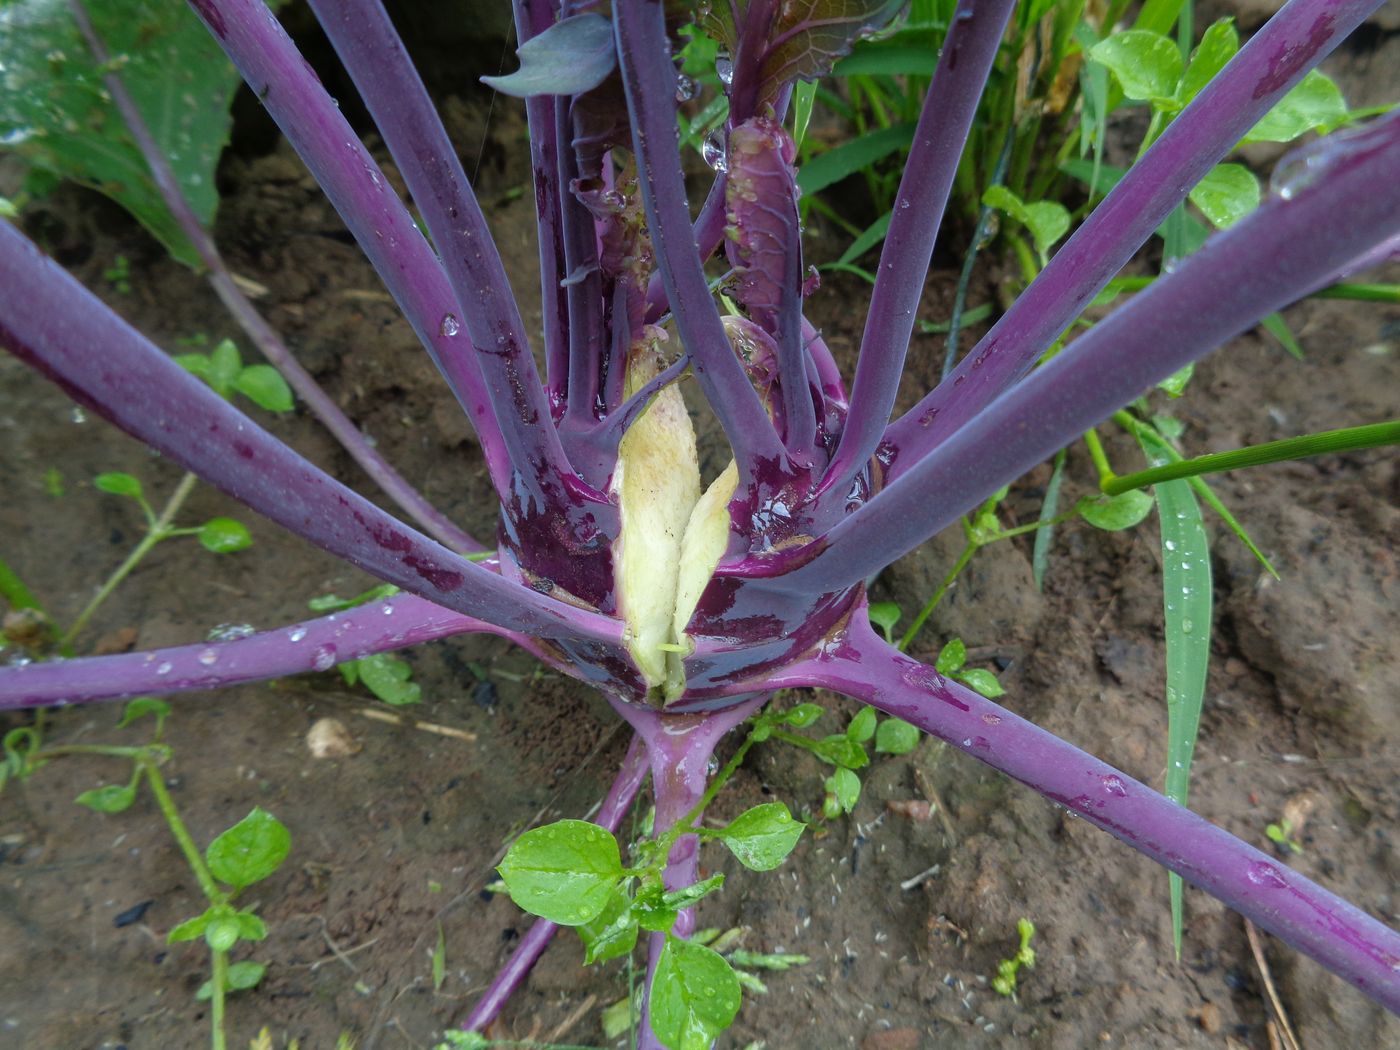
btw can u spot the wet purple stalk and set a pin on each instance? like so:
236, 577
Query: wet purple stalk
1337, 934
615, 805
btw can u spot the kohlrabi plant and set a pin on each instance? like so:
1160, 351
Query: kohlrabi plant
688, 601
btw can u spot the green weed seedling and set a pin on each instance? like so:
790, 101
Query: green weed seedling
118, 275
1281, 835
385, 675
245, 854
1004, 983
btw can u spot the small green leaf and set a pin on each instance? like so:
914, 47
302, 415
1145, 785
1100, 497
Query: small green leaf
983, 681
110, 798
862, 726
194, 364
612, 932
221, 934
1175, 384
241, 977
803, 715
190, 928
334, 603
1118, 512
224, 536
387, 677
1315, 102
694, 996
1147, 65
845, 786
249, 851
896, 737
1047, 220
1226, 194
250, 927
439, 960
118, 484
224, 365
264, 386
143, 706
840, 750
1218, 45
565, 872
951, 657
885, 615
762, 837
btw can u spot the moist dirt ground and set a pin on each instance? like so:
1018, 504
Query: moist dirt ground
904, 919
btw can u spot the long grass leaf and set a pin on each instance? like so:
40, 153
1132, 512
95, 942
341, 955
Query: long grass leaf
1040, 551
850, 157
1187, 600
1277, 327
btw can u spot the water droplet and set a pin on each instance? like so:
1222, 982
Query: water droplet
724, 68
387, 609
712, 151
1169, 545
323, 658
450, 326
296, 634
903, 203
1264, 874
685, 88
230, 632
165, 668
209, 657
1114, 786
967, 742
77, 415
1187, 626
992, 720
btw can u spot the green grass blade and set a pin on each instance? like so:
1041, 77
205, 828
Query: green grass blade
1277, 327
13, 590
853, 156
873, 235
804, 93
1040, 551
1187, 599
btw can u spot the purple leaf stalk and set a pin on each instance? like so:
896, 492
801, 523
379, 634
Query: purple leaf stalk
688, 603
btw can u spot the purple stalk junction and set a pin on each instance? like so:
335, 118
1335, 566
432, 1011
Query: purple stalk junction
829, 489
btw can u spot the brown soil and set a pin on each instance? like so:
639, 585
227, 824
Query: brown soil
395, 843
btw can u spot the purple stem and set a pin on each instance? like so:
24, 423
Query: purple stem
709, 234
533, 17
1343, 938
312, 645
53, 323
604, 440
412, 502
374, 56
511, 976
644, 54
679, 748
290, 91
1296, 39
949, 108
585, 288
1285, 249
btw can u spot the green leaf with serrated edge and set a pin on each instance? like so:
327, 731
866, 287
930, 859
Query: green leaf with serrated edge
387, 677
225, 364
1314, 102
116, 483
803, 715
951, 657
110, 798
572, 56
896, 737
694, 996
1147, 65
845, 785
143, 706
1116, 513
1218, 45
983, 681
56, 114
1226, 194
1175, 384
612, 932
1187, 599
862, 726
264, 386
565, 872
762, 837
190, 929
224, 536
249, 851
241, 976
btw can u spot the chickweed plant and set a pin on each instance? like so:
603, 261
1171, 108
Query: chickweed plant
689, 601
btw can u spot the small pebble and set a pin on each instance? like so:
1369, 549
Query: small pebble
328, 738
1210, 1018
